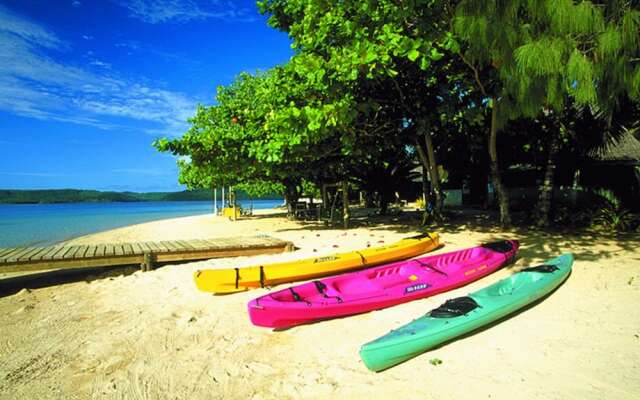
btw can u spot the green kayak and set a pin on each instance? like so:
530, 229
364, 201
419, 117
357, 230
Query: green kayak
466, 314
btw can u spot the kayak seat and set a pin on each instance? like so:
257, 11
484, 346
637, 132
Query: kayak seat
503, 246
454, 308
356, 286
544, 268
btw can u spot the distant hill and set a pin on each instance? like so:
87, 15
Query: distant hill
89, 196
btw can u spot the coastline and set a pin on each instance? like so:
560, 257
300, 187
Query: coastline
49, 224
153, 335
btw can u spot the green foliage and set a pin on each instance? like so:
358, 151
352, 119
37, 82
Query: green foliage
603, 210
309, 189
370, 78
542, 50
610, 214
263, 129
568, 214
260, 190
332, 112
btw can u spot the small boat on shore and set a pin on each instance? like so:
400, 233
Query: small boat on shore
462, 315
379, 287
240, 279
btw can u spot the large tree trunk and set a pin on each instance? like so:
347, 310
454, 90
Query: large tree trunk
215, 199
546, 190
435, 174
426, 193
503, 196
345, 204
291, 195
385, 199
429, 162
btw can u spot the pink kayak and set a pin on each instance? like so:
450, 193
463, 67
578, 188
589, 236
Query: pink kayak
379, 287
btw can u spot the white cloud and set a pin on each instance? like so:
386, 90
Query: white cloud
34, 84
12, 24
159, 11
101, 64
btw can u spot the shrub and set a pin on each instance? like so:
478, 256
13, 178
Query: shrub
610, 214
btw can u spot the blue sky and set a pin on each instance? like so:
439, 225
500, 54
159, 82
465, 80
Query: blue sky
87, 85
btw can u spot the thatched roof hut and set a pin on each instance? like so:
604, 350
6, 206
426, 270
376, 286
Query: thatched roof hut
625, 149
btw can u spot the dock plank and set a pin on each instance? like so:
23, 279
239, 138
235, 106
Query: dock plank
153, 246
109, 250
36, 256
15, 256
62, 250
13, 251
162, 246
50, 252
71, 253
90, 252
134, 248
173, 246
144, 246
79, 251
199, 244
214, 243
6, 251
27, 256
185, 244
100, 248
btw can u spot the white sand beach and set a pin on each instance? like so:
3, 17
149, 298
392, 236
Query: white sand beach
153, 335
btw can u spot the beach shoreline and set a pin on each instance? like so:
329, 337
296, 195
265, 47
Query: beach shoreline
154, 335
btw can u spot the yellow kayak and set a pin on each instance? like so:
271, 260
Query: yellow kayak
239, 279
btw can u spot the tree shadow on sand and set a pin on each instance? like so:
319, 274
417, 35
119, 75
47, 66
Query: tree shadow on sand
585, 244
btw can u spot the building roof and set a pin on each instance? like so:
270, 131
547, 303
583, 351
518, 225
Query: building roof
625, 148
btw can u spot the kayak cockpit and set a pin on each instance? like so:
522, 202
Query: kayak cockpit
311, 292
512, 284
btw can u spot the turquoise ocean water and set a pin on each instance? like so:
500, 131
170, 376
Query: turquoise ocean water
44, 224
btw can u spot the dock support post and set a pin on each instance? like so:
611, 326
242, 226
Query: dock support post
147, 264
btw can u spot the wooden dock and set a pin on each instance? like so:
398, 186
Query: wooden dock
147, 254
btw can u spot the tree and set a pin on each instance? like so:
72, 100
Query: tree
527, 56
395, 46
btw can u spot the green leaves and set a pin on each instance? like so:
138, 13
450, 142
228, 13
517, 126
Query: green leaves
580, 77
547, 50
609, 43
413, 54
541, 57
